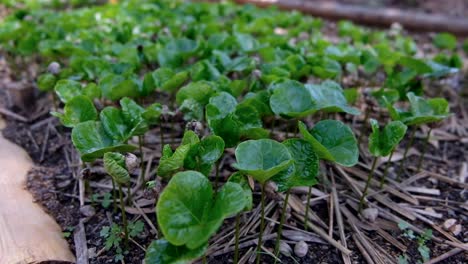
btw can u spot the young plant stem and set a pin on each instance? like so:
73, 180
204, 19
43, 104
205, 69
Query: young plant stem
387, 165
114, 195
161, 135
306, 217
262, 224
408, 146
280, 227
364, 126
217, 175
369, 179
141, 140
124, 215
236, 243
421, 158
129, 197
172, 132
273, 123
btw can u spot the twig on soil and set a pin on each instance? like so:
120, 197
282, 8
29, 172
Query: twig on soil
15, 116
81, 248
445, 256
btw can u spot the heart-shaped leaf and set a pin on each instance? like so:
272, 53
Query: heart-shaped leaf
304, 169
77, 110
204, 154
291, 99
242, 180
426, 111
200, 91
381, 143
92, 141
67, 89
115, 87
188, 213
162, 252
170, 161
46, 82
329, 97
262, 158
114, 163
332, 140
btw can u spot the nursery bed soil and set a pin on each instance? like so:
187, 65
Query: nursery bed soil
53, 186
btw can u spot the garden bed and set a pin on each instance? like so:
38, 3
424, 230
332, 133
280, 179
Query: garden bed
419, 201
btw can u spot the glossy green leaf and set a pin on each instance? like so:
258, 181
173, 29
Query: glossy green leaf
426, 111
445, 41
188, 213
67, 89
381, 143
199, 91
262, 159
204, 154
92, 141
114, 164
291, 99
332, 140
132, 113
304, 169
46, 82
77, 110
115, 87
92, 91
329, 97
114, 124
242, 180
162, 252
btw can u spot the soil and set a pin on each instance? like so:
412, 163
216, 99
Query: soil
54, 184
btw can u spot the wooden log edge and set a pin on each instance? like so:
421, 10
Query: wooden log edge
371, 16
27, 233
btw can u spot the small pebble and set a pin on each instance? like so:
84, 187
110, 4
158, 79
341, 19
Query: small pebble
87, 210
285, 249
131, 162
449, 223
301, 248
370, 214
456, 229
54, 68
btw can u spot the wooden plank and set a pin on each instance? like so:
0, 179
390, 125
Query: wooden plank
370, 15
27, 233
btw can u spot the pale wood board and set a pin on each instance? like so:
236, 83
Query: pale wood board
27, 233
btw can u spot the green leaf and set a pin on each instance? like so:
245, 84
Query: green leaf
132, 113
329, 97
170, 163
115, 87
199, 91
92, 141
46, 82
188, 213
204, 154
242, 180
332, 140
114, 124
304, 169
445, 41
67, 89
262, 158
291, 99
114, 163
381, 143
92, 91
426, 111
162, 252
152, 113
79, 109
